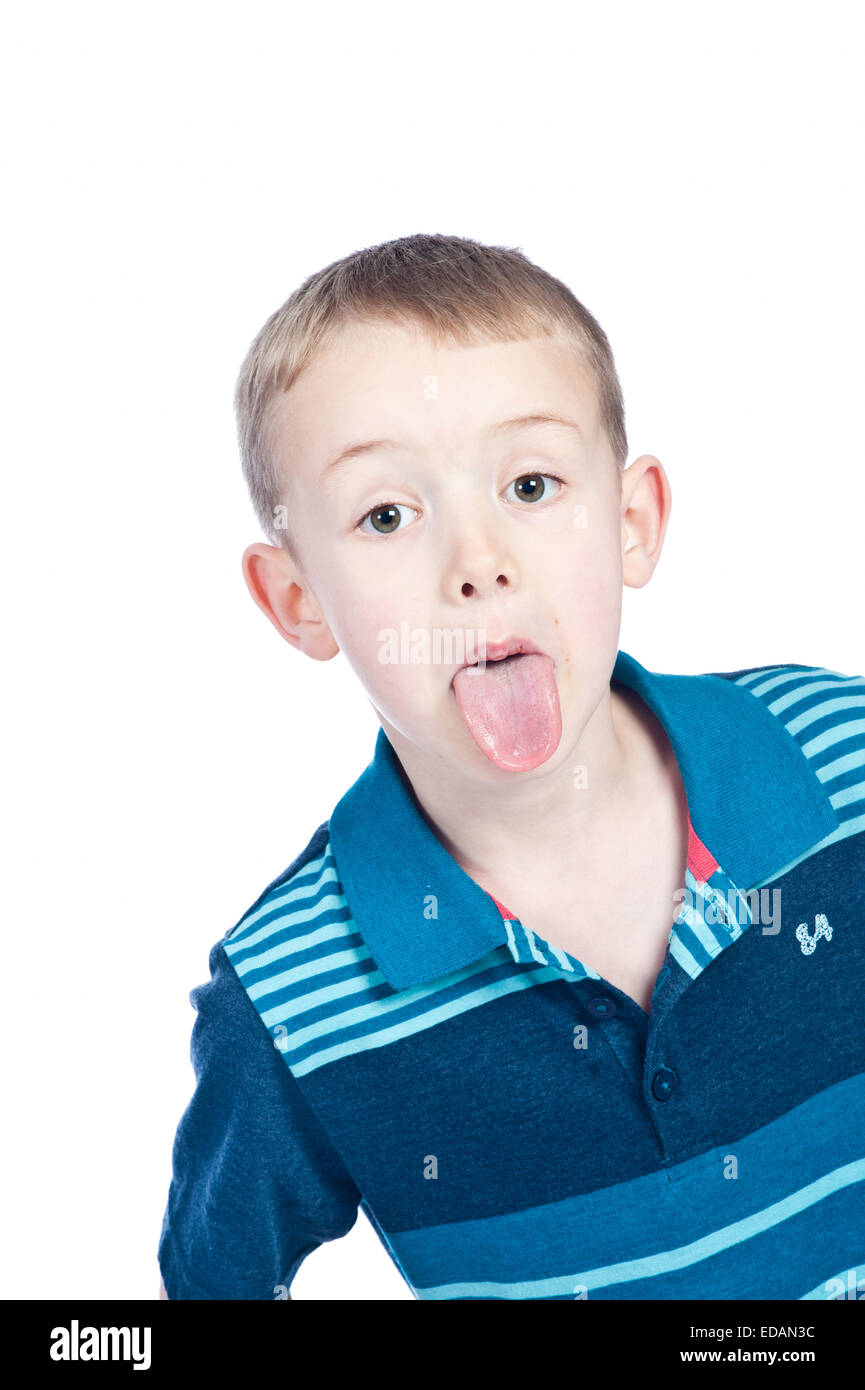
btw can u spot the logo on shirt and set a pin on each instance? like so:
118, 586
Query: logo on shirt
807, 940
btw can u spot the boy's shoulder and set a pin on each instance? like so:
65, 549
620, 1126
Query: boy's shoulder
298, 931
820, 715
771, 756
819, 708
277, 896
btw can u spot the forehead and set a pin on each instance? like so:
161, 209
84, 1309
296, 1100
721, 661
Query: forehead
380, 379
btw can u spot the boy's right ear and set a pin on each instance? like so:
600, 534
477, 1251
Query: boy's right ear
279, 589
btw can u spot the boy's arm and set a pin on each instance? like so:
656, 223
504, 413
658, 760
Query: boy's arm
162, 1293
256, 1181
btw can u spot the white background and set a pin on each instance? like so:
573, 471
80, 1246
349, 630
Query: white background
172, 172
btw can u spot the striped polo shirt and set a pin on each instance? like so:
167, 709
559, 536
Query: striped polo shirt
379, 1032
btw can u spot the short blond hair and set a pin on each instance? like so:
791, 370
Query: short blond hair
457, 290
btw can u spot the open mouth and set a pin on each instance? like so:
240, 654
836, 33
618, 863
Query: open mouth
499, 660
506, 652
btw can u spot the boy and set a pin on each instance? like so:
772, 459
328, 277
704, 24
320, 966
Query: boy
564, 992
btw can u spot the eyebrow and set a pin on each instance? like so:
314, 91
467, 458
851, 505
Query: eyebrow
504, 427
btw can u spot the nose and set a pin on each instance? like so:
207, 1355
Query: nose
481, 584
480, 563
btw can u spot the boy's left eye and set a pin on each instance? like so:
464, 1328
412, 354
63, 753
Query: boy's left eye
531, 487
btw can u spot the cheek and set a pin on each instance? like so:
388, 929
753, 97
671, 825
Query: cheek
589, 592
372, 630
594, 560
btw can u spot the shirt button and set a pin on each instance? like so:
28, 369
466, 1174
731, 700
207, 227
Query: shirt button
665, 1083
602, 1007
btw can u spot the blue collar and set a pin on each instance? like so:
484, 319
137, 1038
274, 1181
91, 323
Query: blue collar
753, 799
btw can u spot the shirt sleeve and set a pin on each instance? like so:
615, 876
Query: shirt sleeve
256, 1182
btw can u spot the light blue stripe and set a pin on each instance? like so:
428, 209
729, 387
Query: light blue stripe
780, 677
406, 999
244, 936
689, 938
832, 736
821, 711
535, 951
712, 938
733, 928
300, 882
736, 907
563, 958
841, 765
526, 945
802, 692
338, 1021
849, 827
681, 954
381, 1008
743, 915
320, 998
309, 971
288, 918
650, 1266
427, 1020
848, 795
330, 931
666, 1209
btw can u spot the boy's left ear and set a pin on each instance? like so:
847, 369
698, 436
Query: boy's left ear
647, 500
279, 589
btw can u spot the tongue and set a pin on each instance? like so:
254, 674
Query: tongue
511, 709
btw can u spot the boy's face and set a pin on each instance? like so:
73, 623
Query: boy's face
457, 526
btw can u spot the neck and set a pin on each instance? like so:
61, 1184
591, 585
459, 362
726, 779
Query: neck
568, 820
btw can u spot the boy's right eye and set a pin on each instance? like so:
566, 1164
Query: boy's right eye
384, 518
